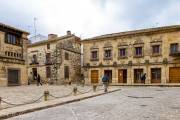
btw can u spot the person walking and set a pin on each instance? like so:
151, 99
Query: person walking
38, 78
105, 80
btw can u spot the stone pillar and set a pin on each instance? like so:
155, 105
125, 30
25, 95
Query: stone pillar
148, 74
114, 75
164, 76
129, 78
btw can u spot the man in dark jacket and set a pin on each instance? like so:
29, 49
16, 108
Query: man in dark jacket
105, 80
38, 78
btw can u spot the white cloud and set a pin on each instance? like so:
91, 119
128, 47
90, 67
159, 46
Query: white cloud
88, 18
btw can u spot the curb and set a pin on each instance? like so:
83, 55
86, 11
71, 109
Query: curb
13, 114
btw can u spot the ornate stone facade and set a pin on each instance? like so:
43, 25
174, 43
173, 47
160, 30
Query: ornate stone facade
126, 56
13, 56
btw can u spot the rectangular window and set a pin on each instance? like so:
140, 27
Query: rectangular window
66, 56
138, 51
48, 72
107, 54
122, 52
174, 48
48, 46
156, 49
34, 59
48, 58
66, 72
94, 55
12, 39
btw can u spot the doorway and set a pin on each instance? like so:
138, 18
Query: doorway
122, 76
13, 77
109, 74
34, 71
137, 75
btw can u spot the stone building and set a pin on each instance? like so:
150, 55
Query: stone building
126, 56
13, 56
56, 59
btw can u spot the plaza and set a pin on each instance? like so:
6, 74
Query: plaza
131, 103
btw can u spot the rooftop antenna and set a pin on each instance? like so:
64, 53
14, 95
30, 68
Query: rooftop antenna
35, 19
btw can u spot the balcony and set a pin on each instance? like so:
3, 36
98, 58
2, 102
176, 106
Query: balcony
175, 54
107, 58
94, 59
34, 63
48, 62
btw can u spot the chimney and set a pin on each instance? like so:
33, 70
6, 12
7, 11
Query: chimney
68, 32
52, 36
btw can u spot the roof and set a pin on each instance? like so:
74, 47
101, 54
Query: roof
13, 28
50, 40
136, 32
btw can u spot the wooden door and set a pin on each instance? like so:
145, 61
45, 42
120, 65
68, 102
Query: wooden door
174, 75
94, 76
120, 76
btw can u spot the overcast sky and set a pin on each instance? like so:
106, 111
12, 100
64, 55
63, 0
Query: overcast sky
88, 18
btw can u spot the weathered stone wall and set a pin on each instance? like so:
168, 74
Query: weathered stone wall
13, 62
41, 50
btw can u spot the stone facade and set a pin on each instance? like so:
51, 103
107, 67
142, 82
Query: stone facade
13, 56
126, 56
52, 63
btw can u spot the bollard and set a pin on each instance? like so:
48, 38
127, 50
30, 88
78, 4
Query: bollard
75, 90
94, 88
46, 95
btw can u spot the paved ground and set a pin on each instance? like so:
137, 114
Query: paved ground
132, 103
24, 94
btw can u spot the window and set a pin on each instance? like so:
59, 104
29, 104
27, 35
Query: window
156, 49
48, 58
94, 55
34, 60
138, 51
107, 54
66, 72
66, 56
122, 52
12, 39
48, 72
48, 46
174, 48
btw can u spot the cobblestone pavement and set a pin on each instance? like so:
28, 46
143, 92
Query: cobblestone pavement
24, 94
131, 103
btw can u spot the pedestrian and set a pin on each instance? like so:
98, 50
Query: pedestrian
38, 78
143, 78
105, 80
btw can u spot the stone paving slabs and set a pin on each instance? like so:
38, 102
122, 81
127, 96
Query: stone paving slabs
145, 103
